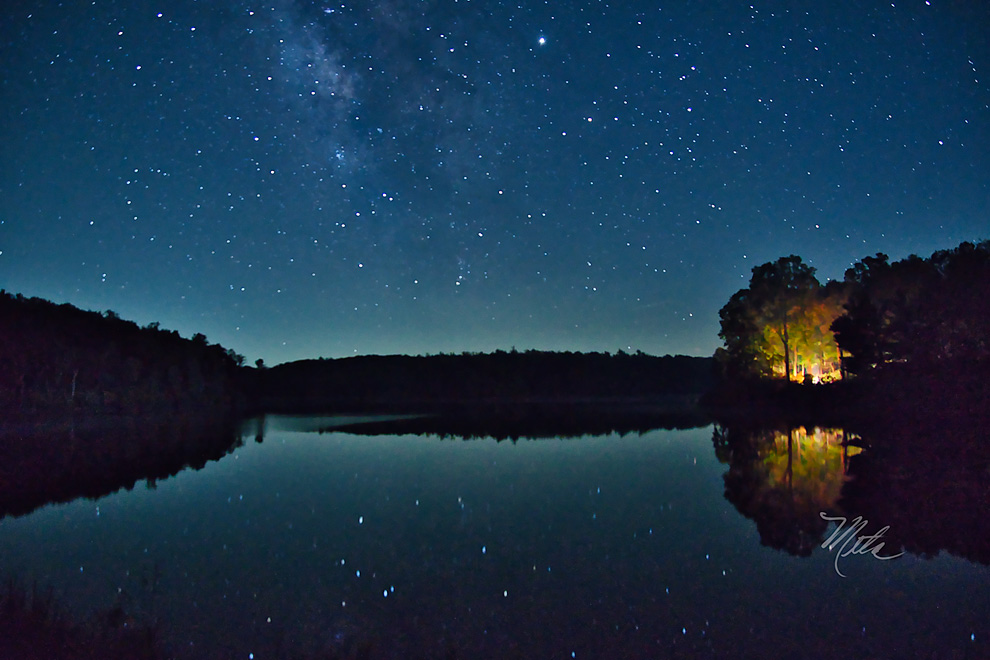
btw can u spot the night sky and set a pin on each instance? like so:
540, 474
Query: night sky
301, 180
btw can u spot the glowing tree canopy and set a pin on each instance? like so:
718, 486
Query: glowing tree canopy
780, 325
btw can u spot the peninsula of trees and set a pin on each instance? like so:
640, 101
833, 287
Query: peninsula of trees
915, 327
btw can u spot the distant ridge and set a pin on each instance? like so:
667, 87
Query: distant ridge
58, 361
531, 377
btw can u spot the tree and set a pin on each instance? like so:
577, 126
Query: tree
918, 311
884, 317
745, 353
782, 290
816, 351
779, 323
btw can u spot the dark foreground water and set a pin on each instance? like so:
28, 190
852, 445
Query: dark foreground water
329, 544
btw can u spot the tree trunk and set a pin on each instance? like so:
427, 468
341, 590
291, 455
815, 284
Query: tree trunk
787, 350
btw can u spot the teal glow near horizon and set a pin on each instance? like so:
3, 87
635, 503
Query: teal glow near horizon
298, 181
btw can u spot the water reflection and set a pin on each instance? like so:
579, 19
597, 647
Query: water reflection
784, 478
322, 543
515, 421
930, 485
99, 456
930, 482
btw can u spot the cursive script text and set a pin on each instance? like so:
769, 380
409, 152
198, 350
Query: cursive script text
860, 544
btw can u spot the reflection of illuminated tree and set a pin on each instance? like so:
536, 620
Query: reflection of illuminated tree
784, 479
809, 464
926, 481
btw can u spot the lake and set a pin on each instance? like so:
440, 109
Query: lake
321, 542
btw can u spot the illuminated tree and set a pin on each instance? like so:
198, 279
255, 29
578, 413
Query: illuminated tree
817, 353
746, 352
782, 290
780, 324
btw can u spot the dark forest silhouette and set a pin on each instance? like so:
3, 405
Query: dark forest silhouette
57, 360
909, 335
402, 382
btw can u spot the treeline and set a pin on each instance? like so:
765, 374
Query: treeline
58, 359
924, 312
392, 381
919, 315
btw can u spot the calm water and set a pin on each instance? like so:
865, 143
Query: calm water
586, 547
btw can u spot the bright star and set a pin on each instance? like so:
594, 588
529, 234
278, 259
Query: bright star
542, 40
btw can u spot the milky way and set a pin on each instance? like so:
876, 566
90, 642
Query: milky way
298, 180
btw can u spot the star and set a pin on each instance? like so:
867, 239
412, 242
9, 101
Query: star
627, 141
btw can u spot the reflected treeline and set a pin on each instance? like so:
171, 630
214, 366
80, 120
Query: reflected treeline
783, 478
928, 483
38, 467
532, 421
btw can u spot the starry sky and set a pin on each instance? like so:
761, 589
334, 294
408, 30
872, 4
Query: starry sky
299, 179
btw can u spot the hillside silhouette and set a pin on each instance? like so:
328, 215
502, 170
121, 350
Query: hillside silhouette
58, 360
405, 382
